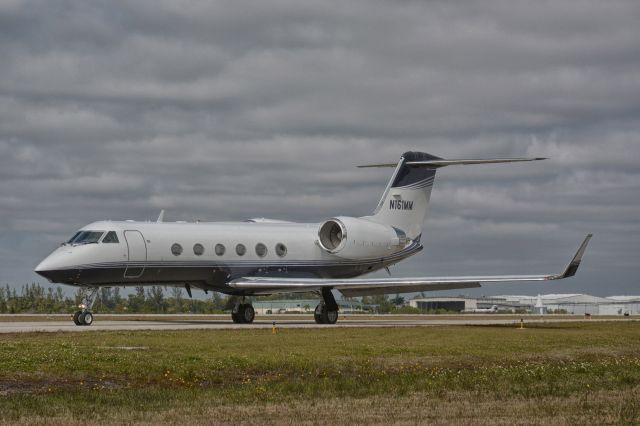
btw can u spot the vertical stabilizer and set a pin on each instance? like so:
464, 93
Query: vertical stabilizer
405, 202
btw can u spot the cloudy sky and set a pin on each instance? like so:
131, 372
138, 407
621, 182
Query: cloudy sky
230, 110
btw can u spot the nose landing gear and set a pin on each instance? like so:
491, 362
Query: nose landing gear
84, 316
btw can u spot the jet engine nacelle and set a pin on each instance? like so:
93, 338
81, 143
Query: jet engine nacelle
354, 238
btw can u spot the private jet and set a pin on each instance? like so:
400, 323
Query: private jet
264, 256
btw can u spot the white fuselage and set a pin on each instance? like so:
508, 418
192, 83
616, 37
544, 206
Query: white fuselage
181, 253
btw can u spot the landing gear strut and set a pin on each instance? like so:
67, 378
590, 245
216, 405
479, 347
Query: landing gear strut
327, 311
243, 313
84, 316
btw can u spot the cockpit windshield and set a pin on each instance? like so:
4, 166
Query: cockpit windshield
85, 237
72, 238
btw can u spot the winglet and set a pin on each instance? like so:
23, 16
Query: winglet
572, 267
160, 216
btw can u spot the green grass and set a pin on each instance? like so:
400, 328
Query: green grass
560, 370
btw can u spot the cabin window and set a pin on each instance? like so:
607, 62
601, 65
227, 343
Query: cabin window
261, 250
220, 249
281, 250
241, 249
111, 237
176, 249
86, 237
198, 249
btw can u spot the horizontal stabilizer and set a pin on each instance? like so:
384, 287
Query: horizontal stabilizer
442, 162
368, 286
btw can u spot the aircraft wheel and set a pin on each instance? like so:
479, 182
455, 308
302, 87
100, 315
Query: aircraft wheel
247, 313
317, 315
330, 317
87, 318
76, 317
235, 316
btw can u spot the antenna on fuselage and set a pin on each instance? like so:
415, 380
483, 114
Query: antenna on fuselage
160, 216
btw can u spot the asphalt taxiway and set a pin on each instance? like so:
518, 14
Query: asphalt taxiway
226, 324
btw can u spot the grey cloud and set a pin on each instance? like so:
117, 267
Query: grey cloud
228, 110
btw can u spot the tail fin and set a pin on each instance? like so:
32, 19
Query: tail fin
405, 201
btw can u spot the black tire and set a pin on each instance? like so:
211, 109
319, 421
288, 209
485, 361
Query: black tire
235, 316
81, 318
317, 314
87, 318
329, 317
247, 313
76, 318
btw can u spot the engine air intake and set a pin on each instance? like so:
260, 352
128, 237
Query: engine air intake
332, 234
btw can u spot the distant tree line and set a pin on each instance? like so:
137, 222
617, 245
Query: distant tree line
379, 303
33, 298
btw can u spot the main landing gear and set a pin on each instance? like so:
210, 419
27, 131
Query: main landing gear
243, 313
327, 311
84, 316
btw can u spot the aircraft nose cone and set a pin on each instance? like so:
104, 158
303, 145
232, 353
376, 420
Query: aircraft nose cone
44, 269
45, 274
54, 267
42, 266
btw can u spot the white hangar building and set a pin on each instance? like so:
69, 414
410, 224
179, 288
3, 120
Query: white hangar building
581, 304
578, 304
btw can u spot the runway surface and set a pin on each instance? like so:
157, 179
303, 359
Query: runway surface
226, 324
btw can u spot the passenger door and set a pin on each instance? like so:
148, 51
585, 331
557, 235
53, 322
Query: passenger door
137, 248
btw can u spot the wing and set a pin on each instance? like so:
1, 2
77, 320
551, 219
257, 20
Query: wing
368, 286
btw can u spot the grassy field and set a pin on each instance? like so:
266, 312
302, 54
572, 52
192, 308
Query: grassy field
564, 373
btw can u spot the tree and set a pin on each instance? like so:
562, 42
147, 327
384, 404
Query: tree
289, 296
3, 301
218, 301
383, 306
398, 300
156, 299
118, 301
136, 301
104, 299
175, 302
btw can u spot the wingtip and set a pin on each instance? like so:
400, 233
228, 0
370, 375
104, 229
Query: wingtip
572, 267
